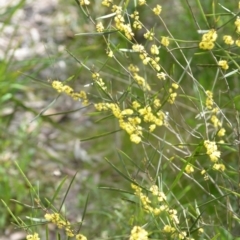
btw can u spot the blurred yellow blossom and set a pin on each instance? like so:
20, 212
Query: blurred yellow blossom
138, 233
149, 35
84, 2
221, 132
209, 101
212, 150
154, 49
80, 237
106, 3
208, 40
219, 167
169, 229
161, 76
237, 42
189, 168
99, 27
165, 42
228, 39
223, 64
141, 2
157, 10
33, 237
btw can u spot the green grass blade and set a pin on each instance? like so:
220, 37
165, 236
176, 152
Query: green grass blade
68, 189
57, 191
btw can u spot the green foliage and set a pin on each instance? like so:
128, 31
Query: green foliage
165, 133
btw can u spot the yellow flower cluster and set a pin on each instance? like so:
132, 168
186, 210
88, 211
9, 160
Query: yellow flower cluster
212, 150
99, 27
237, 24
60, 223
33, 237
208, 40
154, 49
216, 122
99, 81
161, 76
136, 23
165, 41
84, 2
126, 122
174, 234
214, 119
206, 177
139, 80
223, 64
120, 22
219, 167
147, 205
214, 155
60, 87
106, 3
144, 56
56, 219
172, 94
130, 119
228, 39
209, 101
157, 10
189, 168
138, 233
141, 2
149, 35
80, 237
221, 132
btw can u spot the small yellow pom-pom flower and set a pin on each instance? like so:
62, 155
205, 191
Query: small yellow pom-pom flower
237, 22
168, 229
237, 42
212, 150
157, 10
84, 2
165, 42
221, 132
99, 27
135, 138
106, 3
152, 127
141, 2
182, 235
200, 231
189, 169
154, 49
138, 48
203, 45
33, 237
110, 53
136, 105
175, 85
228, 39
161, 76
80, 237
223, 64
138, 233
149, 35
219, 167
